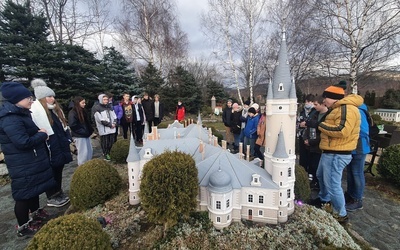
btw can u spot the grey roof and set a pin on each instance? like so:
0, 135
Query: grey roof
190, 146
269, 94
176, 124
280, 150
220, 182
292, 94
282, 72
240, 171
193, 130
133, 154
199, 121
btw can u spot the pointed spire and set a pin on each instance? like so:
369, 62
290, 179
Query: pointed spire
270, 95
293, 94
282, 80
133, 154
280, 150
199, 122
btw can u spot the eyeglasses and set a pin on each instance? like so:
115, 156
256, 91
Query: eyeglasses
30, 99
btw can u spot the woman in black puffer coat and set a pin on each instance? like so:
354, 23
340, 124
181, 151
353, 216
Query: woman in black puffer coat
25, 153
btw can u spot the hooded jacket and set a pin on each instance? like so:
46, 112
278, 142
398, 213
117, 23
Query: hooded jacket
341, 128
25, 153
105, 117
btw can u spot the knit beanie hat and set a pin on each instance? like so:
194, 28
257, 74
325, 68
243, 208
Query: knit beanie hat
333, 92
14, 92
252, 110
255, 106
247, 103
41, 90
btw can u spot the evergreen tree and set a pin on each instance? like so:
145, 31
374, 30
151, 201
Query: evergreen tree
217, 90
117, 76
182, 86
391, 99
72, 70
24, 44
151, 80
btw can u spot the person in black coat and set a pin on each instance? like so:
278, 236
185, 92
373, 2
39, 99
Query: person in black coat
47, 113
148, 107
26, 155
81, 130
158, 110
138, 120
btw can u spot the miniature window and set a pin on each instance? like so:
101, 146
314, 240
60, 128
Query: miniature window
280, 183
218, 219
260, 212
280, 87
261, 199
290, 172
227, 203
280, 203
133, 177
228, 217
133, 184
134, 197
250, 199
281, 173
288, 193
218, 205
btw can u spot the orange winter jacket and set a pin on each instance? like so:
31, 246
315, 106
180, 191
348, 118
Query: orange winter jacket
261, 131
341, 128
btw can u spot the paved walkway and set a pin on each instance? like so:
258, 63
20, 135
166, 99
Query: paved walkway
378, 223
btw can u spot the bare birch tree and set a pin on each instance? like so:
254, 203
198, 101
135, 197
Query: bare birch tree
235, 28
364, 33
150, 31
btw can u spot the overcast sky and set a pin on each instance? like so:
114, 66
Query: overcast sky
189, 12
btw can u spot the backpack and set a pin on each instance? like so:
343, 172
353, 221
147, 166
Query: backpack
373, 128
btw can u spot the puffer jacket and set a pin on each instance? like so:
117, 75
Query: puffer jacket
60, 153
25, 153
105, 117
250, 131
341, 128
78, 129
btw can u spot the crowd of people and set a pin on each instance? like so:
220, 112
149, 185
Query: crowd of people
35, 137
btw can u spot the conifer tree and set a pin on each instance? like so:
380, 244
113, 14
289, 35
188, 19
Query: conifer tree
151, 80
182, 86
24, 44
117, 75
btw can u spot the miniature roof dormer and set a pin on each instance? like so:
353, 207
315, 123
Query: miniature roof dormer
281, 84
256, 180
280, 150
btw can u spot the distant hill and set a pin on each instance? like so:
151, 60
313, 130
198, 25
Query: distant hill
378, 81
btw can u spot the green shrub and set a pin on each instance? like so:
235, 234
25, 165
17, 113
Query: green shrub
388, 164
302, 189
93, 183
120, 150
169, 187
73, 231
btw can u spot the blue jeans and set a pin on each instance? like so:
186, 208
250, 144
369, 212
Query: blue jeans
329, 174
355, 176
251, 142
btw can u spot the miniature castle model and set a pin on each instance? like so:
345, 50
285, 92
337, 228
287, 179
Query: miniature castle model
231, 188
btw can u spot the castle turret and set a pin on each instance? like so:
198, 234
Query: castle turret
281, 132
133, 173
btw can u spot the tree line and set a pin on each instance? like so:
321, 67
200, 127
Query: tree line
26, 52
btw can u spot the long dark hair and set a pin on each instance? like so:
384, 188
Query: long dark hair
78, 109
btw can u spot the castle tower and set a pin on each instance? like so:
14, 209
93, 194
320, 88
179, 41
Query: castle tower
133, 173
281, 132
